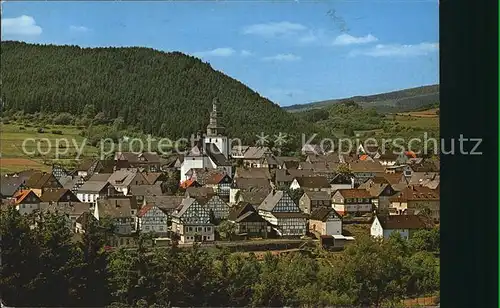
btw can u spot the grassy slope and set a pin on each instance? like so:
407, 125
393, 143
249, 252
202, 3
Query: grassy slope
396, 101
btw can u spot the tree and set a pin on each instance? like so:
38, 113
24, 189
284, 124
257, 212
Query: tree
63, 119
343, 169
226, 229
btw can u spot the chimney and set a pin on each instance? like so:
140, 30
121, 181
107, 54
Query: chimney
352, 182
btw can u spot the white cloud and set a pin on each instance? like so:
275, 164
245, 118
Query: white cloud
283, 57
346, 39
22, 25
79, 29
246, 53
398, 50
273, 29
217, 52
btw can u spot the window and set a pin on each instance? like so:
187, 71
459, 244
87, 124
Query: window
209, 229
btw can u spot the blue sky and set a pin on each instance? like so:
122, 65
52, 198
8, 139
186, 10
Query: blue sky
289, 51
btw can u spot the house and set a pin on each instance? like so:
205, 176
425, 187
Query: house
58, 171
191, 220
269, 161
167, 203
155, 177
253, 196
342, 181
40, 181
254, 157
284, 177
405, 225
203, 174
83, 221
325, 221
221, 184
91, 191
287, 162
252, 173
71, 210
9, 185
25, 201
141, 191
388, 159
122, 179
284, 214
151, 218
71, 182
59, 196
364, 170
311, 200
417, 178
189, 183
365, 157
218, 207
200, 192
121, 210
238, 151
381, 191
248, 185
311, 183
415, 198
248, 223
148, 161
212, 151
352, 201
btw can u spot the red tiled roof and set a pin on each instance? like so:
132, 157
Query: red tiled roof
354, 193
187, 183
20, 195
363, 157
144, 210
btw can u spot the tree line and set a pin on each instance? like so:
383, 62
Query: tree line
47, 267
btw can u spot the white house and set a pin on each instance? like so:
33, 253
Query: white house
91, 191
212, 151
406, 225
352, 201
325, 221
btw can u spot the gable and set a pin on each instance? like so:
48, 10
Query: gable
286, 204
196, 214
30, 197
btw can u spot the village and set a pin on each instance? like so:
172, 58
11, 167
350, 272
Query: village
216, 194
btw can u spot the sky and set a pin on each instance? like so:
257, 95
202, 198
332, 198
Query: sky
292, 52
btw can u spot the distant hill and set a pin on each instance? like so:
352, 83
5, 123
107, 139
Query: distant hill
396, 101
162, 93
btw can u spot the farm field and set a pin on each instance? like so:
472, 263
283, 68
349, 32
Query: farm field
430, 113
39, 150
414, 121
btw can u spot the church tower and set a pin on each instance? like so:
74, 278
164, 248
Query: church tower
215, 131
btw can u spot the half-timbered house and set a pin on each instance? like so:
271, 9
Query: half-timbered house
284, 214
152, 219
248, 223
191, 220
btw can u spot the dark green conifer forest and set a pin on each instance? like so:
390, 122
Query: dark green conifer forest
164, 94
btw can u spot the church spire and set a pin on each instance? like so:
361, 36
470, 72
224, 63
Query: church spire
213, 128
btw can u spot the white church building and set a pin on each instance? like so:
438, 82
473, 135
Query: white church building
211, 151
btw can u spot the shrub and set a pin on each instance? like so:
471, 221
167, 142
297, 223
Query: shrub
40, 130
63, 119
28, 125
21, 128
57, 132
6, 122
